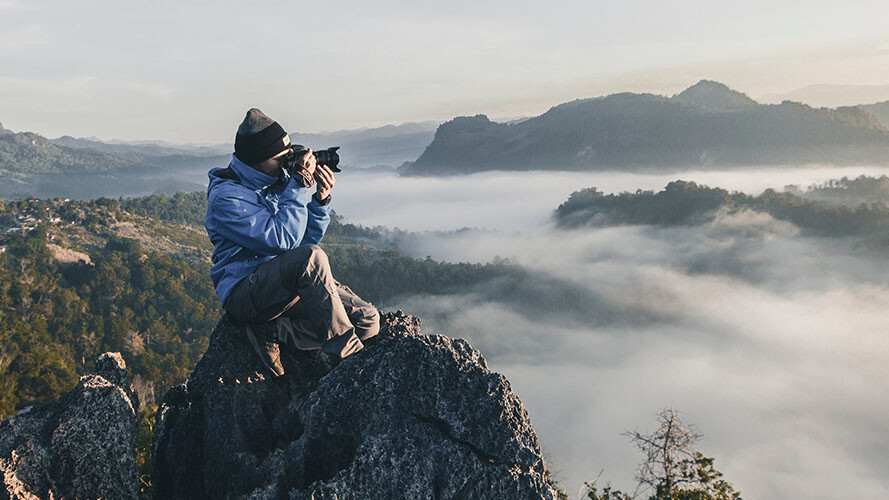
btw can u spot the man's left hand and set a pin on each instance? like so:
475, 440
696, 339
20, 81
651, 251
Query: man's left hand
325, 179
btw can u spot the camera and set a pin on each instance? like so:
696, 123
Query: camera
327, 157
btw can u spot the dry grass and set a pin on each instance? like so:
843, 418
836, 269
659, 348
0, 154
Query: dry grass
66, 255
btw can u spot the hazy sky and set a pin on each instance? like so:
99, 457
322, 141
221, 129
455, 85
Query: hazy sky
187, 71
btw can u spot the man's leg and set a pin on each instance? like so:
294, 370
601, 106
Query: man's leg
363, 315
298, 278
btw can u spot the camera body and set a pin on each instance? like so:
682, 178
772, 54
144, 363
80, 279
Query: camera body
328, 157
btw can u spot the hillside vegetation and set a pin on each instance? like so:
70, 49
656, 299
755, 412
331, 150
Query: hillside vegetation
27, 152
845, 208
880, 110
81, 278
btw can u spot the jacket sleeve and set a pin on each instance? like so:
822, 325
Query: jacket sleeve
243, 218
319, 219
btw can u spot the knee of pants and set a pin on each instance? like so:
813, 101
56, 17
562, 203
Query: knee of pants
315, 254
293, 264
372, 325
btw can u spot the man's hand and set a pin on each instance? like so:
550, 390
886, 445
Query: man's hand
308, 161
325, 179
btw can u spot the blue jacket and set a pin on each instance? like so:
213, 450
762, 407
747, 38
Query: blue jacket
252, 217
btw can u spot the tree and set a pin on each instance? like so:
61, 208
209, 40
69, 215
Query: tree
672, 468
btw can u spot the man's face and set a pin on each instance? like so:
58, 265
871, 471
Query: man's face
274, 165
279, 158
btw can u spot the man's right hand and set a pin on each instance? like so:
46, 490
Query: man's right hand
325, 179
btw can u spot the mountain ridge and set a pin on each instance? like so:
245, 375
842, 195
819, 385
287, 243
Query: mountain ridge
29, 152
832, 95
708, 125
69, 167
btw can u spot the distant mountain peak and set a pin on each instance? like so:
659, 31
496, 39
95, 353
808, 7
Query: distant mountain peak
464, 125
709, 84
715, 95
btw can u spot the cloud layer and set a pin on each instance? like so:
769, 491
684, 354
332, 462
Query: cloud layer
773, 344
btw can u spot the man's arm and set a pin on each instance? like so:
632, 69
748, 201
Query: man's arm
319, 219
319, 213
242, 217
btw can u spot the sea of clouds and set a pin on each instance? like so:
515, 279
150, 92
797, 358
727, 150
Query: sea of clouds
775, 345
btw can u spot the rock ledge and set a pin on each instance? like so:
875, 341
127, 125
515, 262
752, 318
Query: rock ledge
410, 416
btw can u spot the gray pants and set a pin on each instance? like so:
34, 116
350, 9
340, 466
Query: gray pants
295, 295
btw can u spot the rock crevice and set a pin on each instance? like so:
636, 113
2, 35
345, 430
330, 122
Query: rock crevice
481, 454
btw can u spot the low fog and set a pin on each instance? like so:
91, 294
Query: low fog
773, 344
524, 200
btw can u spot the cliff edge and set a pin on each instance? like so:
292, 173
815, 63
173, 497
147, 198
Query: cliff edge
410, 416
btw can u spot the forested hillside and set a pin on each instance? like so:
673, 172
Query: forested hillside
844, 208
848, 192
81, 278
880, 110
30, 153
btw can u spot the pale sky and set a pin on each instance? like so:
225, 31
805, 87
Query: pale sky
186, 71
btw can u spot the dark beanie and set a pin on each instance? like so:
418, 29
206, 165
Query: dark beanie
259, 138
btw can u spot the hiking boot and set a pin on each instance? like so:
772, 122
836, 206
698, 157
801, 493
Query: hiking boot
269, 352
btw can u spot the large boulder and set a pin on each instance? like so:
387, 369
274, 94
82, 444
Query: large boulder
80, 447
410, 416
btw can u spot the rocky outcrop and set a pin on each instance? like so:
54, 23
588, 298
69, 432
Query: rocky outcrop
79, 447
410, 416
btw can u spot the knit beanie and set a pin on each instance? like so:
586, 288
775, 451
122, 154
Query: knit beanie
259, 138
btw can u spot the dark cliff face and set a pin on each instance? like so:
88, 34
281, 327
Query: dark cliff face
706, 125
81, 446
410, 416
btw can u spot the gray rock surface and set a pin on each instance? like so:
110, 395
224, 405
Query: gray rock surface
80, 447
410, 416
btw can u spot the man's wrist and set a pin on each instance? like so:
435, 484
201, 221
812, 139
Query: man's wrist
322, 201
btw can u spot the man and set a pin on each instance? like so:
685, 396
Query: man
268, 270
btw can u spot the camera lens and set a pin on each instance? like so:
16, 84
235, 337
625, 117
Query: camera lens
328, 157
